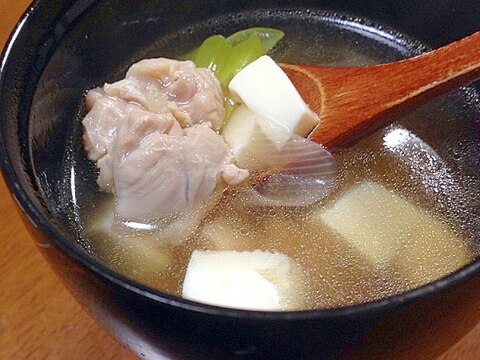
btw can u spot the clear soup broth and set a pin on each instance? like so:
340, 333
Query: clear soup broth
403, 211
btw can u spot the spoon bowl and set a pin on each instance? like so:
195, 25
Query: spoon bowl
353, 101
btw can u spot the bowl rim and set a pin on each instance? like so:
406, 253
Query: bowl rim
68, 247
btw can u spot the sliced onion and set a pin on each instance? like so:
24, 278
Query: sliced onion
301, 173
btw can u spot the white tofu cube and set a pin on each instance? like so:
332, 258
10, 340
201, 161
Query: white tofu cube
251, 147
265, 89
373, 220
255, 280
138, 254
391, 231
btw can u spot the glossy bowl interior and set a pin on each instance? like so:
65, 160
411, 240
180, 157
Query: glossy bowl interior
60, 49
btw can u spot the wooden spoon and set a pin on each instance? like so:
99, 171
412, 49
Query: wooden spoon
354, 101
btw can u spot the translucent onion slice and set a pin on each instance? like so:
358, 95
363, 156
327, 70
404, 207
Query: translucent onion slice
299, 174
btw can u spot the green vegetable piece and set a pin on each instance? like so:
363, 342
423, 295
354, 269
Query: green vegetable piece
241, 55
227, 56
269, 37
213, 53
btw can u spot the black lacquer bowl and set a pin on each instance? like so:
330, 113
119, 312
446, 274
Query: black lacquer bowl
61, 48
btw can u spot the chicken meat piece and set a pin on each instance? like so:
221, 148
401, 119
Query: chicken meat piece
151, 137
193, 95
101, 122
157, 173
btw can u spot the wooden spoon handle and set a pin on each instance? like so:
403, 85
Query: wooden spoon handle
355, 100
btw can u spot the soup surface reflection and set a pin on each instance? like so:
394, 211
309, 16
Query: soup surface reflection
401, 213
